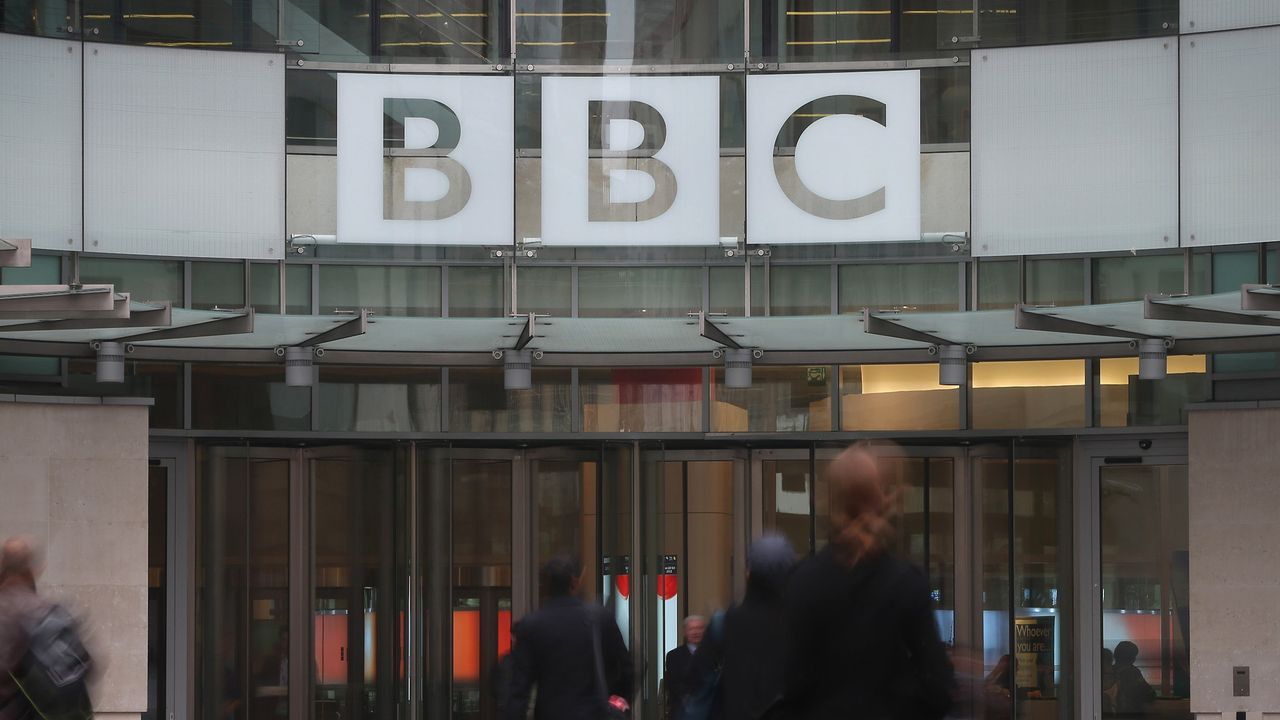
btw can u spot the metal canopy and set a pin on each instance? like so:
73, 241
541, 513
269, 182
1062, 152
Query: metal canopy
15, 253
1213, 323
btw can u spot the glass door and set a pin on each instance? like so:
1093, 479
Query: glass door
695, 529
358, 581
1144, 668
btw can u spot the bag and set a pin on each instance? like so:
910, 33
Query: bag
612, 706
54, 672
700, 703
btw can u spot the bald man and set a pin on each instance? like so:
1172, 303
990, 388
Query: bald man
19, 605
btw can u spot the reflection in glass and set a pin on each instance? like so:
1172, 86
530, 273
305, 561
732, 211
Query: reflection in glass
158, 280
475, 291
998, 283
357, 614
728, 290
478, 402
226, 24
1146, 605
1034, 394
1130, 277
246, 397
787, 496
639, 291
460, 31
1055, 282
800, 290
383, 290
378, 399
543, 290
897, 397
565, 516
907, 286
217, 285
780, 399
1124, 400
242, 602
481, 587
925, 530
667, 31
641, 399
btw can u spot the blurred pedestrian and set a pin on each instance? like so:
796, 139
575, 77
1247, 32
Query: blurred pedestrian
743, 654
678, 673
862, 638
19, 607
44, 668
1133, 693
572, 652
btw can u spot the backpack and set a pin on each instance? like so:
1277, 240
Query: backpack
54, 672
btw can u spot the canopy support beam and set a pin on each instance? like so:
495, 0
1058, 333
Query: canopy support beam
161, 315
1026, 317
876, 325
714, 333
231, 325
357, 325
1154, 309
15, 253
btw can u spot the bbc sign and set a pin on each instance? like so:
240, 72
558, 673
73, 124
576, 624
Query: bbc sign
429, 159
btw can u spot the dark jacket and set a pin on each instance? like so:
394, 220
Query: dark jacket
555, 650
750, 652
863, 642
677, 679
19, 608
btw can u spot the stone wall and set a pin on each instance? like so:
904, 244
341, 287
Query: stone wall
74, 475
1235, 559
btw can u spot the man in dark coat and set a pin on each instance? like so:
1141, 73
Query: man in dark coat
678, 676
19, 608
555, 650
749, 644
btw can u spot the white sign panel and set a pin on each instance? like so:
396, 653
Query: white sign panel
630, 160
833, 157
447, 176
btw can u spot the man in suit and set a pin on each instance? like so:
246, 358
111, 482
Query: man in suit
556, 648
678, 676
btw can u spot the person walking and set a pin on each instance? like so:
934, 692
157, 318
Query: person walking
677, 677
862, 639
743, 653
571, 651
20, 606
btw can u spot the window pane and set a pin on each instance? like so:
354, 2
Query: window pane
384, 290
1124, 400
244, 25
915, 286
217, 285
475, 292
897, 397
1201, 273
154, 280
1233, 269
641, 399
379, 399
662, 30
162, 382
311, 108
1144, 511
1036, 22
478, 402
1055, 282
458, 31
264, 280
246, 397
1035, 394
997, 284
780, 399
639, 292
800, 289
728, 293
944, 105
1120, 279
546, 290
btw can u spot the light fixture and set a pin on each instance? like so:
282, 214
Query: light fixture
110, 361
953, 364
517, 369
1153, 359
737, 367
298, 366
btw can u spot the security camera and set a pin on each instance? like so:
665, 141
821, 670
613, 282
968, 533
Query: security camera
1144, 444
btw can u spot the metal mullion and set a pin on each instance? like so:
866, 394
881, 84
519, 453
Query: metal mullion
706, 398
301, 591
414, 620
444, 291
1012, 572
575, 401
443, 417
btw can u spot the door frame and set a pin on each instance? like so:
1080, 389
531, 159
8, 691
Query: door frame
1091, 454
177, 458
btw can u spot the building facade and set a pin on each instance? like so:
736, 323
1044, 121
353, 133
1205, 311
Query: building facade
524, 248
